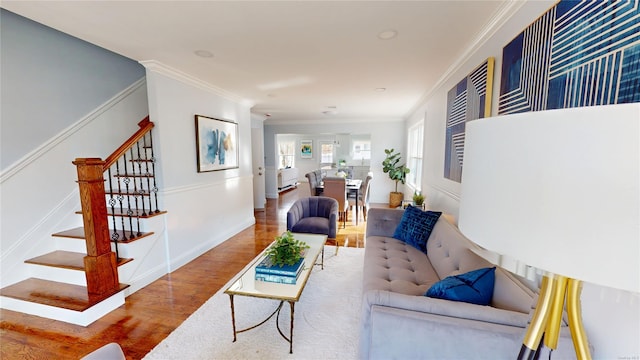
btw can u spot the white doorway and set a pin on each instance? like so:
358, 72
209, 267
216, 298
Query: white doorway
257, 153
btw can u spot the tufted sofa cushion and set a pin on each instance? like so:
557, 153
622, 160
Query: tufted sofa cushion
393, 265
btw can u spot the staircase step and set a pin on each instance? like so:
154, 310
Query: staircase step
78, 233
66, 260
57, 294
136, 213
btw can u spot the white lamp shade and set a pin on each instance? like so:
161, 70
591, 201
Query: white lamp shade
558, 190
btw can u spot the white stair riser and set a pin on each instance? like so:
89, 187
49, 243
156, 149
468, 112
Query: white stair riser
84, 318
69, 276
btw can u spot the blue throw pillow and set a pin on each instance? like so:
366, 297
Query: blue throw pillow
474, 287
415, 227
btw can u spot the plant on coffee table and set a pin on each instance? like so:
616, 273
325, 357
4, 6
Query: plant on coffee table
286, 250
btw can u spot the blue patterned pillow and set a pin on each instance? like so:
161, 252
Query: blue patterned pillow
415, 227
474, 287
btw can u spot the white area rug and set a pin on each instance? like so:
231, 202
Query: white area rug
326, 324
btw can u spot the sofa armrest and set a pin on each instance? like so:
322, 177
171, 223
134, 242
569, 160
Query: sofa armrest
333, 220
398, 325
403, 334
442, 307
382, 222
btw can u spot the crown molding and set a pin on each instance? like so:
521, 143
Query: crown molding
332, 121
502, 15
166, 70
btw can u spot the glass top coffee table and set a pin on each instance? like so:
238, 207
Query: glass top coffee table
245, 284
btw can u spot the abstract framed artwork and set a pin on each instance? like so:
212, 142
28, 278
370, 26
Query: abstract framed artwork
579, 53
216, 144
470, 99
306, 149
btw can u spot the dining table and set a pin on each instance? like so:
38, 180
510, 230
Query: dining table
353, 192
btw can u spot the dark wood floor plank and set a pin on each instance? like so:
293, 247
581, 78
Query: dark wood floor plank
152, 313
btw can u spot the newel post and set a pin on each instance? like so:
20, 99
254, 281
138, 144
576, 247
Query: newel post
100, 263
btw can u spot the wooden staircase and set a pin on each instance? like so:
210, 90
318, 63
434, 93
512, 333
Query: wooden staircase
78, 282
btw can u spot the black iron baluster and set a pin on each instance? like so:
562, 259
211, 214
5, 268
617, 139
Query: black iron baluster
139, 233
112, 203
114, 235
144, 208
127, 181
134, 194
153, 173
146, 168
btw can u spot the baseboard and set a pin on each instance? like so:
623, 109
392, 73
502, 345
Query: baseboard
193, 254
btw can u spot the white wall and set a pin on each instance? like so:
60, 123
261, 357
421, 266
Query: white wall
389, 133
32, 209
204, 209
611, 317
344, 151
50, 80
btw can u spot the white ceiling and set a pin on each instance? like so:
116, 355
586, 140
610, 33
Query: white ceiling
291, 59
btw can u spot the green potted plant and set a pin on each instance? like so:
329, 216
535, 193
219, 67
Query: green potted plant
418, 198
286, 250
397, 172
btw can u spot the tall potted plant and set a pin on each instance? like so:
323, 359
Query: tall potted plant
397, 172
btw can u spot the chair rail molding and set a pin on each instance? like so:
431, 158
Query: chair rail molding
69, 131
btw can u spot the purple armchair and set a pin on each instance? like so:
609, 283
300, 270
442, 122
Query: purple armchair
314, 215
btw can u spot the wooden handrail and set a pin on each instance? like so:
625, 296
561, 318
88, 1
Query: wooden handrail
145, 126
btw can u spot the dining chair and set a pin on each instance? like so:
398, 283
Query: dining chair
336, 187
313, 182
362, 197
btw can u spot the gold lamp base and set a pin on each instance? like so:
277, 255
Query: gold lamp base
555, 291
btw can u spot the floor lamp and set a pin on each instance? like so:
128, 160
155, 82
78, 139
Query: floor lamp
559, 191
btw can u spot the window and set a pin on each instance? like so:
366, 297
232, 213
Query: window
326, 153
286, 154
361, 150
414, 178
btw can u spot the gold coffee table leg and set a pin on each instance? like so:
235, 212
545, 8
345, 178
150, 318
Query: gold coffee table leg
291, 303
233, 318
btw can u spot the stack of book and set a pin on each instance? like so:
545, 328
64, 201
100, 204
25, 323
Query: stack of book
287, 274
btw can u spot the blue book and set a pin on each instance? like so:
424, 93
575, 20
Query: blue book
266, 267
280, 279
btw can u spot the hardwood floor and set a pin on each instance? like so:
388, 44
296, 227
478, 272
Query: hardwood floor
152, 313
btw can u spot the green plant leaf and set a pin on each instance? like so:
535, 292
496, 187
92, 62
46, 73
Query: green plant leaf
397, 173
286, 250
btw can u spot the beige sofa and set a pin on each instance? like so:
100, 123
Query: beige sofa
399, 322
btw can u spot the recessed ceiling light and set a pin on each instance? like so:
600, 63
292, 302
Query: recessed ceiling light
381, 89
387, 34
203, 53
